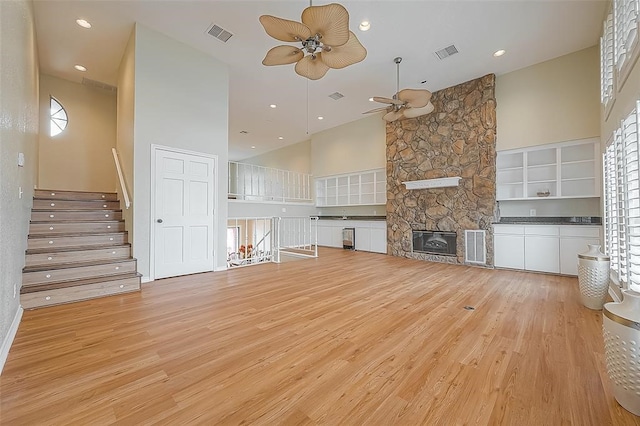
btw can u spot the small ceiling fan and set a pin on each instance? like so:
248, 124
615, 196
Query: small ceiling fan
406, 103
325, 39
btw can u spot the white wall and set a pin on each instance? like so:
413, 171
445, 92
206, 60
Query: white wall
296, 157
180, 100
79, 158
553, 101
18, 133
125, 127
352, 147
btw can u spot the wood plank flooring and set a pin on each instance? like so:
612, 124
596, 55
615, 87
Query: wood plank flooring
350, 338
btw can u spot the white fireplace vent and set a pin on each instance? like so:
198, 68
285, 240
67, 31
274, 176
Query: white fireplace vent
433, 183
474, 246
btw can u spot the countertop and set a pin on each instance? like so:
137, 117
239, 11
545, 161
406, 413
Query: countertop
555, 220
352, 217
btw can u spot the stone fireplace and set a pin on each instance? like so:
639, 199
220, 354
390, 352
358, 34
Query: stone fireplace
457, 139
434, 242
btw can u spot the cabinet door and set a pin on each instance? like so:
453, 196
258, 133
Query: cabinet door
509, 251
570, 247
542, 253
363, 239
379, 240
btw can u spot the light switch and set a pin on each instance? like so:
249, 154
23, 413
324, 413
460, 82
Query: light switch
20, 159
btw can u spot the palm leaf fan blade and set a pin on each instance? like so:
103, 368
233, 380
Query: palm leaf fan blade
312, 68
348, 54
415, 98
330, 21
282, 55
376, 110
284, 29
392, 115
417, 112
383, 100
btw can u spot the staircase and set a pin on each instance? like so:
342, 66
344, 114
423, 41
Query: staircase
77, 249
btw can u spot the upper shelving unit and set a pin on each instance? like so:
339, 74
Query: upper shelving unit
566, 170
354, 189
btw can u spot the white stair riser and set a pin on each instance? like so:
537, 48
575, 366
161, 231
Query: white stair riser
74, 294
95, 215
89, 240
74, 228
70, 195
57, 258
74, 205
81, 272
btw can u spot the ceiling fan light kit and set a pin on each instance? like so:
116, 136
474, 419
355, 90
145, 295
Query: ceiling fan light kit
324, 39
406, 103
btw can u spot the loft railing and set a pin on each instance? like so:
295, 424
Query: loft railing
251, 241
295, 236
257, 183
123, 185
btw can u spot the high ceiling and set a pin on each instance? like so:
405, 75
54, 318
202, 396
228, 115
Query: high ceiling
530, 31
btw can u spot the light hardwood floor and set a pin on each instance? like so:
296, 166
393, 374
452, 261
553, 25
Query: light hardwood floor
349, 338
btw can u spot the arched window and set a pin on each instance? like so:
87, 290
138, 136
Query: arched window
58, 117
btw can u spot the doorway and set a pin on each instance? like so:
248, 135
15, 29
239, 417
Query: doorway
183, 200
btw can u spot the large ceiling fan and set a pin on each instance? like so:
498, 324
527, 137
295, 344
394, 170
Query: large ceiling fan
406, 103
325, 40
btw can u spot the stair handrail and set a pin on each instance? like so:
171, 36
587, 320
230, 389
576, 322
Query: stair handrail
123, 186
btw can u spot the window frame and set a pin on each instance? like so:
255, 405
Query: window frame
54, 120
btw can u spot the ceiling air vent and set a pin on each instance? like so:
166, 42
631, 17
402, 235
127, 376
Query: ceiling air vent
336, 95
219, 33
99, 85
446, 52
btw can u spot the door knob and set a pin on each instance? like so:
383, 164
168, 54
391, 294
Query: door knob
159, 221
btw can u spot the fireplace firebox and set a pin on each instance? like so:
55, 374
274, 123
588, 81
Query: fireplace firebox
435, 242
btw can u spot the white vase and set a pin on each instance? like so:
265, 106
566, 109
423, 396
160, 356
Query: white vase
621, 329
593, 277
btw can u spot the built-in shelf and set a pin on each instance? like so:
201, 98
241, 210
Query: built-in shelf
353, 189
564, 170
433, 183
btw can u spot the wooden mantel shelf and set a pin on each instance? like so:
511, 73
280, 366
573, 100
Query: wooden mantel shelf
433, 183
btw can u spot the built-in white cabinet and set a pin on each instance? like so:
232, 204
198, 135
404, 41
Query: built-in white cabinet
364, 188
371, 235
543, 248
566, 170
508, 246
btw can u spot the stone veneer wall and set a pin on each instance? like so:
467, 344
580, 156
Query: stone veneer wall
457, 139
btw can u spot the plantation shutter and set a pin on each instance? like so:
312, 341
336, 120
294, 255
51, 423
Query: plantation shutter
630, 139
606, 61
611, 237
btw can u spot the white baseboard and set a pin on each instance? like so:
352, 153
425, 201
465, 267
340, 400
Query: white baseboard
8, 340
220, 268
144, 280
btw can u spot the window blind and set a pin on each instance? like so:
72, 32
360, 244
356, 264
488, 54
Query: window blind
611, 206
626, 29
629, 132
606, 61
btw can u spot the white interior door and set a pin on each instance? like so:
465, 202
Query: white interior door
184, 216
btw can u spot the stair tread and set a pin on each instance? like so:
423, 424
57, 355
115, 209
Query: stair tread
73, 234
76, 210
70, 265
76, 248
79, 282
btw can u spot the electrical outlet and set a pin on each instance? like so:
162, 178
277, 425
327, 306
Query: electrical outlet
374, 212
20, 192
15, 290
284, 210
532, 212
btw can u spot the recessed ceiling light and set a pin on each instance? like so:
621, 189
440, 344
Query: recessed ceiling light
320, 118
370, 99
499, 53
253, 147
273, 105
80, 68
280, 137
364, 26
83, 23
